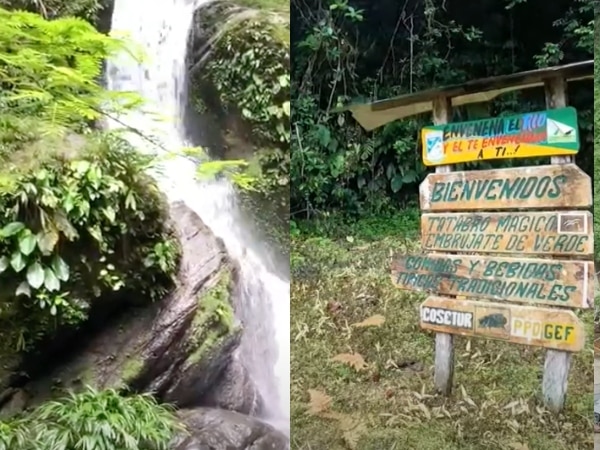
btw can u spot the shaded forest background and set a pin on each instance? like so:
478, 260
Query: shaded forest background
358, 50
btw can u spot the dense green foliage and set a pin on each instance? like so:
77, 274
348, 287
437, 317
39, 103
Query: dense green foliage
92, 421
76, 228
249, 67
355, 50
79, 217
49, 72
58, 8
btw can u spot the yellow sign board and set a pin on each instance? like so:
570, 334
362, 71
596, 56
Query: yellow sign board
544, 133
549, 328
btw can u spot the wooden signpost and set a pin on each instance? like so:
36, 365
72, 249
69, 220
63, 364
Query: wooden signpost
531, 281
550, 328
565, 233
543, 133
523, 223
548, 187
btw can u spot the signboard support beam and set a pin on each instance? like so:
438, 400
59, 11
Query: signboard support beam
557, 363
444, 342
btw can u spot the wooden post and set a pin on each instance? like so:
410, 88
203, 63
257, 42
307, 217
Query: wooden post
444, 342
557, 363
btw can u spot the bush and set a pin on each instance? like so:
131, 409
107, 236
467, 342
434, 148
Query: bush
249, 66
76, 225
92, 420
79, 218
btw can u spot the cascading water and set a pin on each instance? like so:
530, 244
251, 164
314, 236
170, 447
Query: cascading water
161, 27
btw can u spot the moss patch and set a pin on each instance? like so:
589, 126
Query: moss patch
214, 319
131, 369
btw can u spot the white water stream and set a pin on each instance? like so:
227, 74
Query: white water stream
161, 27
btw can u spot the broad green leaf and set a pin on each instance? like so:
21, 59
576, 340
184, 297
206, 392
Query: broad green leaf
17, 262
23, 289
46, 241
95, 233
4, 262
35, 275
284, 80
11, 229
286, 108
50, 281
27, 243
60, 268
68, 204
110, 214
130, 202
397, 183
80, 167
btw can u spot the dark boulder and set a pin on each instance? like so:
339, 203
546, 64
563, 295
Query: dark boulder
218, 429
179, 348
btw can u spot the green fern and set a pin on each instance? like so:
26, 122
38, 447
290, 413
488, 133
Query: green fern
50, 70
98, 420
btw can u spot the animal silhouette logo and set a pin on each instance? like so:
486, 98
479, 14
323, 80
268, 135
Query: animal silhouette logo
496, 320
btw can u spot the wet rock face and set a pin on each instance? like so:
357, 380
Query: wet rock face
235, 391
217, 429
104, 19
161, 348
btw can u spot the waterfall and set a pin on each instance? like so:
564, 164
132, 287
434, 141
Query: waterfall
161, 28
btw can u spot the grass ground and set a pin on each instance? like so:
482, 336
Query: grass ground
379, 393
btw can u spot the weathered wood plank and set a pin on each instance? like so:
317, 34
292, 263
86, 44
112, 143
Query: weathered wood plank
378, 113
536, 187
543, 327
541, 233
526, 280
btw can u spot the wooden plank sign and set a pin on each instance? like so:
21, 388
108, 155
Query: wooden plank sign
534, 281
565, 233
543, 133
549, 187
551, 328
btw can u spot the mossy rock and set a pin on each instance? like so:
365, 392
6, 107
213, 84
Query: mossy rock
243, 54
177, 347
214, 318
80, 218
240, 85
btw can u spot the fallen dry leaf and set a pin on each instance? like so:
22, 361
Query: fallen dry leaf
318, 403
374, 321
334, 307
519, 446
352, 359
352, 429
